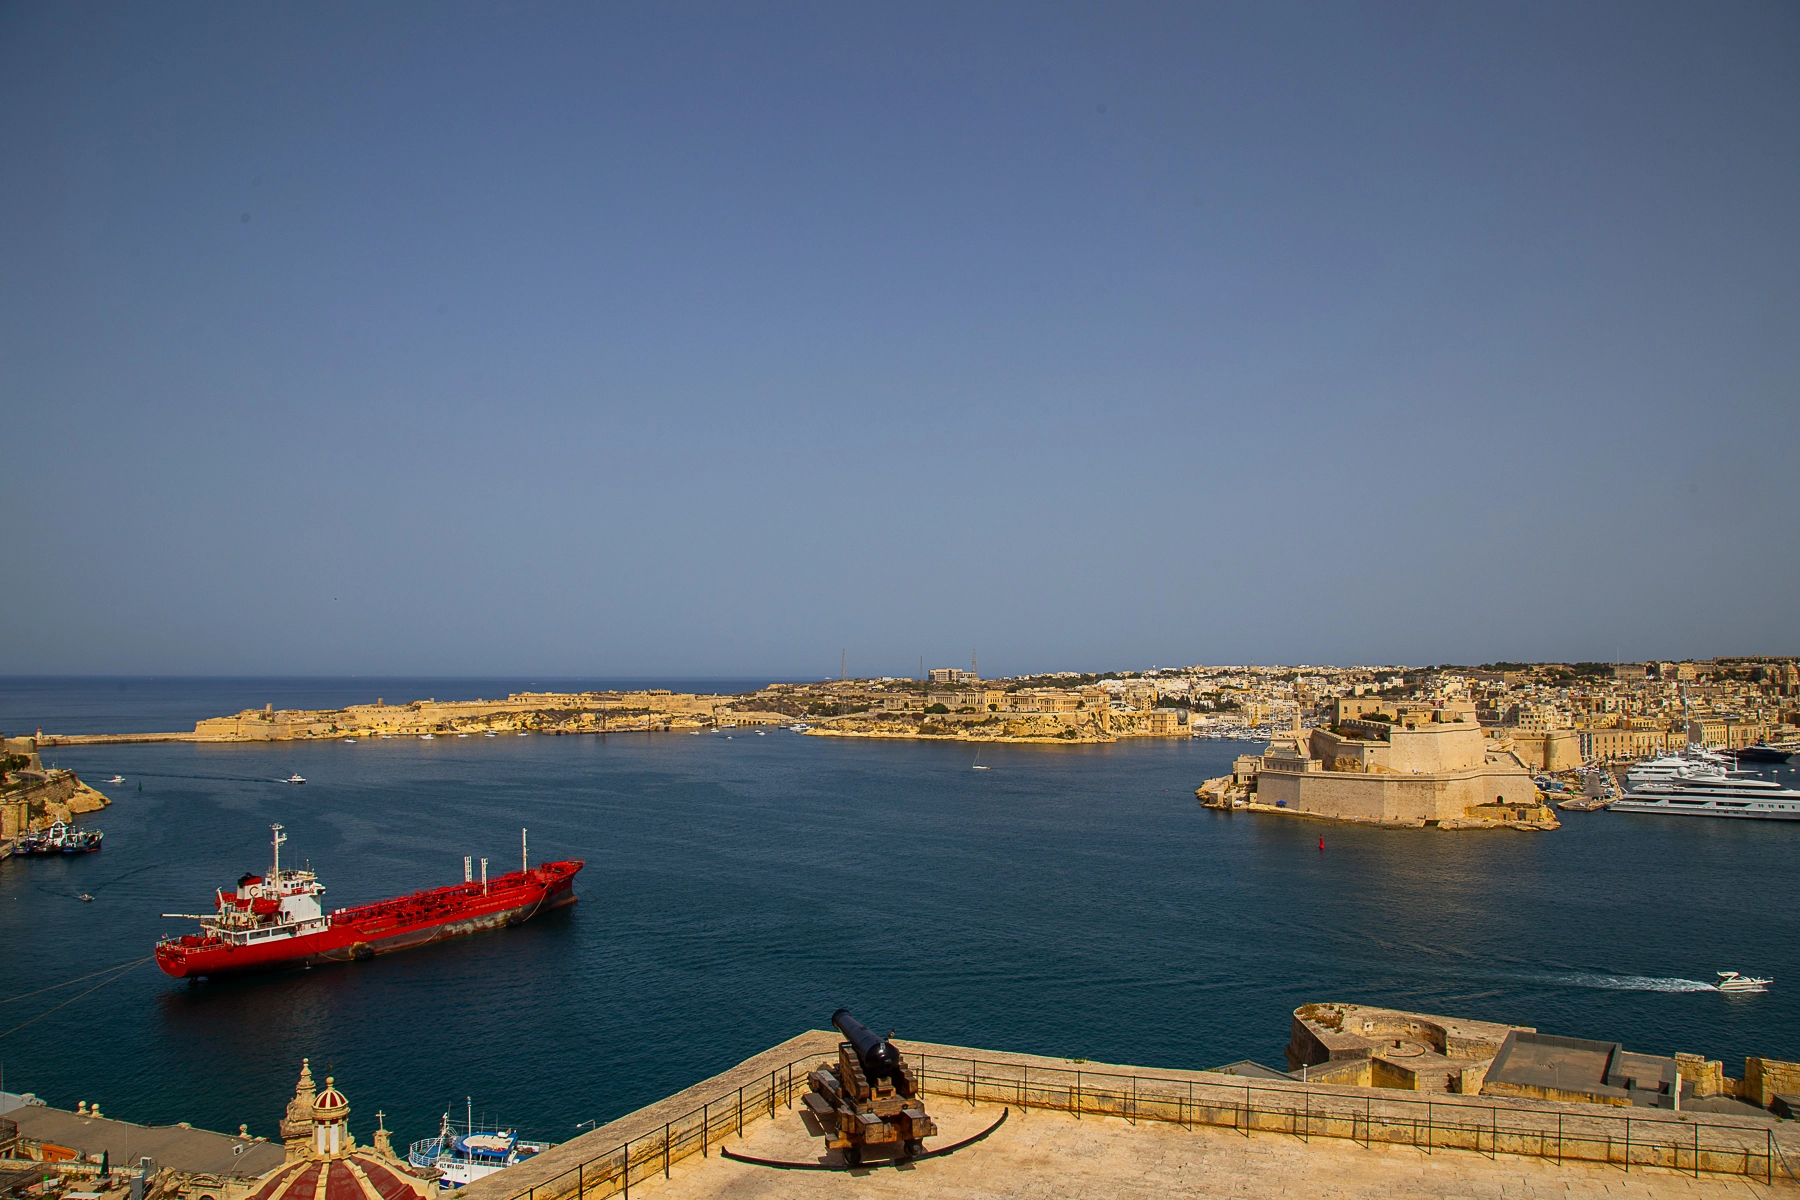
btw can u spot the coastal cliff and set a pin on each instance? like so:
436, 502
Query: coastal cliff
32, 797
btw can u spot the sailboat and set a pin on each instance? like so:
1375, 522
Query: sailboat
976, 765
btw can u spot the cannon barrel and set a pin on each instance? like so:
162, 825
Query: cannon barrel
879, 1058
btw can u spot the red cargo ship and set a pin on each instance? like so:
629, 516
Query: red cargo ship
276, 920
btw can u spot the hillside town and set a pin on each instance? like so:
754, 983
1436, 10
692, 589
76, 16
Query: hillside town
1555, 715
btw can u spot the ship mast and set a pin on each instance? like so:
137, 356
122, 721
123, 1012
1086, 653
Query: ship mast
524, 857
280, 837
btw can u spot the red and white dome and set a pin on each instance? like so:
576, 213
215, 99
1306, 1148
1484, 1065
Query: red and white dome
358, 1175
330, 1104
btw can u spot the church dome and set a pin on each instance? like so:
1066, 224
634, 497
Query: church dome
330, 1104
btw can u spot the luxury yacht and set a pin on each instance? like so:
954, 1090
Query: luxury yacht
1695, 763
1713, 796
1731, 981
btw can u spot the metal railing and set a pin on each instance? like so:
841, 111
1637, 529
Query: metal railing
1688, 1143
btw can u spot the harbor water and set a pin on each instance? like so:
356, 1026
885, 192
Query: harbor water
1071, 901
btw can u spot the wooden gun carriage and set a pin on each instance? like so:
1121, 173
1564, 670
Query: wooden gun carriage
870, 1100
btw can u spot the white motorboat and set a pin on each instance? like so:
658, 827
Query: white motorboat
427, 737
350, 741
1731, 981
117, 779
296, 777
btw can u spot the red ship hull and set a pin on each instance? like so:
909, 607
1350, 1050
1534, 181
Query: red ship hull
361, 933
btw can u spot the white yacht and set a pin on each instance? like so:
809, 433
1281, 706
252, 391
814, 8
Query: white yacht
1694, 762
1731, 981
296, 777
1713, 796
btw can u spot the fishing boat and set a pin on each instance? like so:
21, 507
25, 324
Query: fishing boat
277, 920
1731, 981
462, 1157
59, 838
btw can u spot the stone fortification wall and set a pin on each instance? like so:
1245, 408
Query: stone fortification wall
57, 797
1555, 750
1347, 795
1766, 1078
1404, 751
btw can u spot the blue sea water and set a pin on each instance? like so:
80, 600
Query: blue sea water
1071, 901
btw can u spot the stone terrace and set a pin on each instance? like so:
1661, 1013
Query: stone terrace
1096, 1129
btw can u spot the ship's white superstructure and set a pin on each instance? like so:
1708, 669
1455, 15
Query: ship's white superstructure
1694, 763
1713, 796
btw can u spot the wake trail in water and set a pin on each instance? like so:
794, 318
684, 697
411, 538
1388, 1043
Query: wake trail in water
1626, 983
213, 778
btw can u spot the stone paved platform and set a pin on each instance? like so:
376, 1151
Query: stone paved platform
1052, 1154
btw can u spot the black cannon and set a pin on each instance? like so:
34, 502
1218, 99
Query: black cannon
870, 1099
878, 1057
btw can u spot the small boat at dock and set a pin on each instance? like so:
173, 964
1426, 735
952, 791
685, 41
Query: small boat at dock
60, 838
463, 1156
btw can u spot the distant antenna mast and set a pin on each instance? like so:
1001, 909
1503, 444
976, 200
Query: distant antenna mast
973, 672
844, 666
921, 668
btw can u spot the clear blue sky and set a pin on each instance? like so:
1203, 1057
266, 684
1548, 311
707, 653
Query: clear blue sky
716, 339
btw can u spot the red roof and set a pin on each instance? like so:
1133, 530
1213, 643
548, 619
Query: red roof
300, 1181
